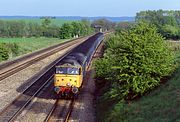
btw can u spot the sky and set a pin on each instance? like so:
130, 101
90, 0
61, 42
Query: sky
88, 8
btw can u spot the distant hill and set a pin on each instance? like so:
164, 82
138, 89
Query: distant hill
113, 19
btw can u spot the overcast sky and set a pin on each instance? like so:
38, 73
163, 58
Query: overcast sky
83, 7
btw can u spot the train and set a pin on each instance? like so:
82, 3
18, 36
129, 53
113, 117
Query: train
71, 70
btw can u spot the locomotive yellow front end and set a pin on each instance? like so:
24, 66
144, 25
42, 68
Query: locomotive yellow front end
67, 80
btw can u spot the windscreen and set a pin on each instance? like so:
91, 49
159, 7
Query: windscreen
67, 70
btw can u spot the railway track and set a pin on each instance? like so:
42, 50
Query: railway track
12, 67
61, 113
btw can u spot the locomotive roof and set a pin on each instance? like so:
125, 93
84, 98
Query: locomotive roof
70, 62
79, 55
67, 65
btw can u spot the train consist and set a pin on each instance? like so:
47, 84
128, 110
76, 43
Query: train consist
71, 70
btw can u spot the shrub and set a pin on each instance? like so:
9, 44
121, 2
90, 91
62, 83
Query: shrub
13, 47
4, 52
170, 32
8, 50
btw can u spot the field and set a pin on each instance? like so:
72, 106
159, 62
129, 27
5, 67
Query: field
175, 45
160, 105
27, 45
57, 22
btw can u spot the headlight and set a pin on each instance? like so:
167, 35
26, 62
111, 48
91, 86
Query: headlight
57, 89
75, 90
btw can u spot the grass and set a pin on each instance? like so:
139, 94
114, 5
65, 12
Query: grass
57, 22
175, 45
160, 105
27, 45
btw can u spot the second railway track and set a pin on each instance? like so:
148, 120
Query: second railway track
19, 104
14, 109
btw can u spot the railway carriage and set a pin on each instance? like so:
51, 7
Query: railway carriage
71, 70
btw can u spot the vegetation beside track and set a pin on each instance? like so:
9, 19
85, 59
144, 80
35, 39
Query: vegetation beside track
160, 103
13, 47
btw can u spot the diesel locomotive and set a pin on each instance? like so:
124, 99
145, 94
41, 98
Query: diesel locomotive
71, 70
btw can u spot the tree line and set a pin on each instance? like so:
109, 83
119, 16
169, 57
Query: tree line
46, 29
167, 22
11, 29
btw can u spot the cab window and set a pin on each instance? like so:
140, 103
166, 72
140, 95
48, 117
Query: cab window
61, 70
73, 71
67, 70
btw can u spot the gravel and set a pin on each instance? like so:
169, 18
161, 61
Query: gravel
40, 106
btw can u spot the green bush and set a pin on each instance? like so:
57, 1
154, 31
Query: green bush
4, 52
170, 32
14, 48
8, 50
135, 60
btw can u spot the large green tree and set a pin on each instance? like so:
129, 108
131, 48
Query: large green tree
135, 61
66, 31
